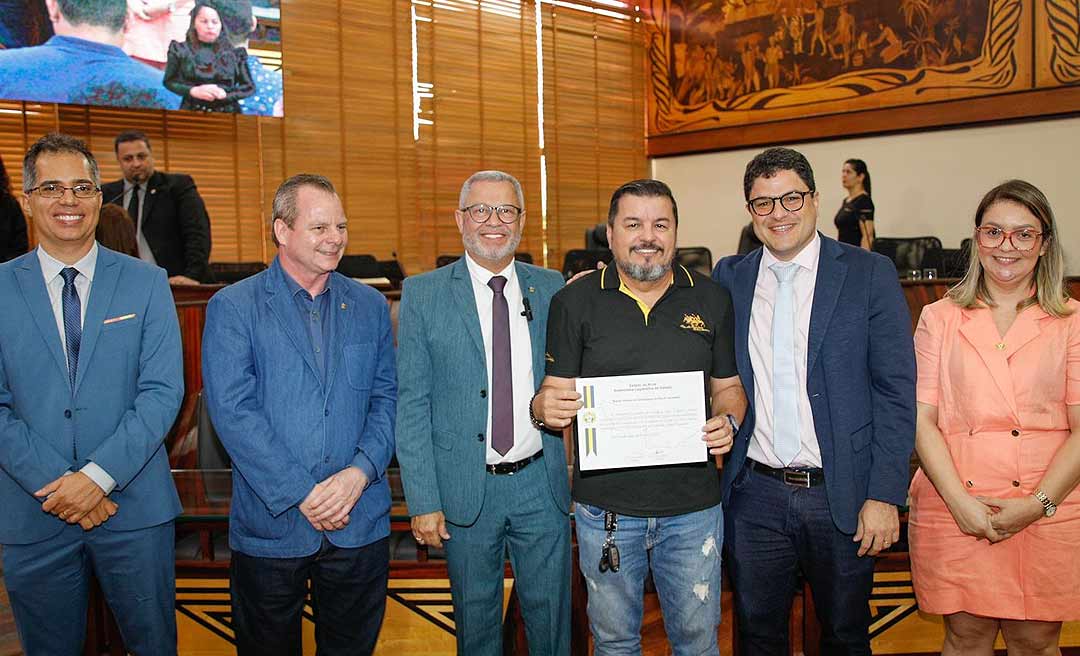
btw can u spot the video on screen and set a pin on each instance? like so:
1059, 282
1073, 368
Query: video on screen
197, 55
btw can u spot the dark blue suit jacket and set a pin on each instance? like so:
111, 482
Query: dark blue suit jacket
128, 390
284, 427
860, 375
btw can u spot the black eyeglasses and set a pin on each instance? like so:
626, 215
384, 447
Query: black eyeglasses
56, 190
792, 201
481, 212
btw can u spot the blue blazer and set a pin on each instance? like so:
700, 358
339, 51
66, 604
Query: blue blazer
128, 389
860, 375
283, 426
442, 368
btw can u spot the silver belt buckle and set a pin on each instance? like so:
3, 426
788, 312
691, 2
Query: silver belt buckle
797, 478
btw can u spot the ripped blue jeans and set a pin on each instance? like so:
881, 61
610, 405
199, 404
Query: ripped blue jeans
683, 553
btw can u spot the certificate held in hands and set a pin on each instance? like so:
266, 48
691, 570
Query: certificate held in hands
641, 420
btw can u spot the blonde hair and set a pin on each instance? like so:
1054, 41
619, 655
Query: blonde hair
1050, 291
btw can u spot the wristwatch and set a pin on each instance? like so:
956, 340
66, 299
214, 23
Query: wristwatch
532, 415
734, 423
1049, 507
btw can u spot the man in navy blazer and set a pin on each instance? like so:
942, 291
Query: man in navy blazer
461, 396
298, 367
824, 349
91, 379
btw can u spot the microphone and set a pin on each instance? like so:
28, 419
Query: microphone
528, 310
115, 198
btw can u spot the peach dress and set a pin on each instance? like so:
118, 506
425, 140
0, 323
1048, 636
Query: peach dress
1002, 411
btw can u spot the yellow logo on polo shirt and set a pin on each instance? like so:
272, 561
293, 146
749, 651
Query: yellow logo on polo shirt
695, 323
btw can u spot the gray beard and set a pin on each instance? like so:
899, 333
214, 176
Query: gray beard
476, 247
643, 273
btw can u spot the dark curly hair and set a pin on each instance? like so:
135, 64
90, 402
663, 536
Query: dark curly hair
770, 162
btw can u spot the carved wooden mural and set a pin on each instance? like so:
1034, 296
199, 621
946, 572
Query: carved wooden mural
718, 65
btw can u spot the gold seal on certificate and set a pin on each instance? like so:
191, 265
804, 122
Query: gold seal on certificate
641, 420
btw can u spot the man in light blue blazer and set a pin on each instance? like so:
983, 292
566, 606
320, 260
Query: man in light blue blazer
298, 368
480, 476
91, 379
812, 483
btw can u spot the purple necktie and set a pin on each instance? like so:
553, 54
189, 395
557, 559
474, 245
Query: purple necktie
502, 379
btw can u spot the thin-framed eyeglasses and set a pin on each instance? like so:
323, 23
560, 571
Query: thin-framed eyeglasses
481, 212
56, 190
792, 201
1022, 239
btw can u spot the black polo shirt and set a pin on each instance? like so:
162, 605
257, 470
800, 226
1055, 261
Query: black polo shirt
596, 327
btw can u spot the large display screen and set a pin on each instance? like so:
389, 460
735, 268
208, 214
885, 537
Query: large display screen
198, 55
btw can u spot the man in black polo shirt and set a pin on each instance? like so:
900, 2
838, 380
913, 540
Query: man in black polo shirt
644, 316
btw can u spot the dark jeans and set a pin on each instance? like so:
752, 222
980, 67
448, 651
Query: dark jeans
774, 531
348, 599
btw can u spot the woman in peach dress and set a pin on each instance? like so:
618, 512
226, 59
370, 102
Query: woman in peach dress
995, 516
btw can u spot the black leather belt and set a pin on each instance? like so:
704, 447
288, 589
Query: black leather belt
514, 467
798, 477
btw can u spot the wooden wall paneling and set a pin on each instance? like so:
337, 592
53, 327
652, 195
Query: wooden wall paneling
427, 242
13, 140
409, 234
377, 109
459, 44
573, 102
618, 55
313, 118
206, 143
249, 218
508, 93
532, 239
270, 158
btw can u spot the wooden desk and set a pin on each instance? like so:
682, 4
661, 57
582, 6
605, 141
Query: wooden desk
924, 292
205, 498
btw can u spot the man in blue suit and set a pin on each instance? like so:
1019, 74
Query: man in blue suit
298, 364
824, 349
83, 62
91, 379
479, 474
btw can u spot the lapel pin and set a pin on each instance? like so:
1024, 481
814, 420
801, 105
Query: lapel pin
153, 191
532, 290
342, 306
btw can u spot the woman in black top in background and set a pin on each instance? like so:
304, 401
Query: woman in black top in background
205, 70
855, 220
13, 241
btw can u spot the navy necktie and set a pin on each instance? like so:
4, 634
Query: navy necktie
72, 321
502, 380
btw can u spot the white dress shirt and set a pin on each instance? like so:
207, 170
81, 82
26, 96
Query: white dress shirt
145, 254
54, 284
761, 357
526, 436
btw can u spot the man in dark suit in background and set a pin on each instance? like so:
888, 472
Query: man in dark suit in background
813, 481
171, 223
